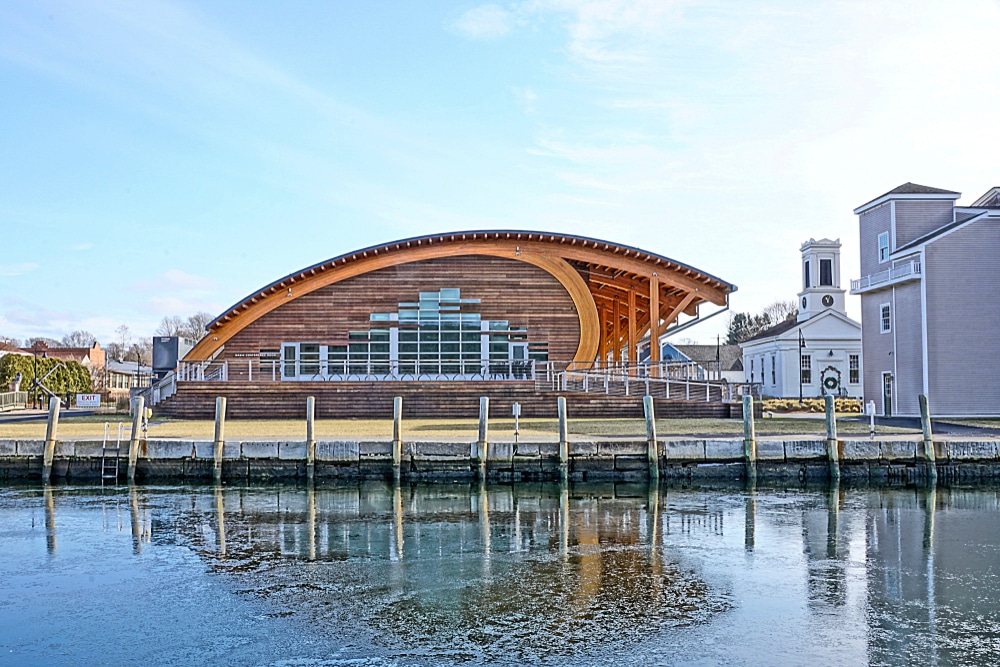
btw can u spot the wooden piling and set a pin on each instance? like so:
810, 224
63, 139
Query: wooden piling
310, 437
50, 440
138, 408
749, 439
482, 446
652, 450
563, 436
220, 436
397, 435
831, 438
930, 456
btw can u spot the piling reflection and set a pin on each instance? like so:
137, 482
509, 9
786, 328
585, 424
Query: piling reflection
529, 573
487, 571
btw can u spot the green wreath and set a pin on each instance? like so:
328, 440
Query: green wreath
830, 382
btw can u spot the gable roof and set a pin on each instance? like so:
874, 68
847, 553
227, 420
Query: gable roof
989, 200
960, 219
776, 330
729, 356
909, 191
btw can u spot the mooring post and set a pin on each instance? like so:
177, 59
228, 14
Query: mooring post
310, 437
652, 450
831, 438
50, 440
482, 447
563, 438
220, 436
138, 407
397, 436
929, 454
749, 439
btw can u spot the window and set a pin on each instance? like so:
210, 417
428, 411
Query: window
826, 272
752, 375
854, 368
807, 376
886, 319
772, 369
805, 271
883, 247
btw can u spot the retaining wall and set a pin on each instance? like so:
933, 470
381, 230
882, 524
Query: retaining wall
589, 460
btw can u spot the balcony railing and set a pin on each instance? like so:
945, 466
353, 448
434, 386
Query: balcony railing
896, 274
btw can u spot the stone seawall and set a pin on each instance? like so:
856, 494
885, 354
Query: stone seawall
889, 460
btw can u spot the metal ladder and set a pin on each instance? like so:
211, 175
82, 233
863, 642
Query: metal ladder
109, 455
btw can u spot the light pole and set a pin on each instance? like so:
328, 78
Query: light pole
802, 344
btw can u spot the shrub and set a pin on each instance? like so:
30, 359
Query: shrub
810, 405
71, 378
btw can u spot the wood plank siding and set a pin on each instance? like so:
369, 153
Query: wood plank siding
963, 320
915, 218
520, 293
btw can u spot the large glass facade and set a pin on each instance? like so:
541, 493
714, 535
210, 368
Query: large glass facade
441, 335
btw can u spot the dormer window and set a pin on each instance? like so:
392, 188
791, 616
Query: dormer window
883, 247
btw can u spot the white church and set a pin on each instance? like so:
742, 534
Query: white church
819, 352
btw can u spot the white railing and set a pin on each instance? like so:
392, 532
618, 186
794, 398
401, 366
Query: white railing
13, 400
252, 369
163, 389
622, 384
899, 272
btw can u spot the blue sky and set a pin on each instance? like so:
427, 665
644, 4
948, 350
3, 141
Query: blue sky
161, 158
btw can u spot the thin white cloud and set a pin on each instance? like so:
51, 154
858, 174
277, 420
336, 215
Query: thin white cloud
525, 98
11, 270
81, 247
485, 22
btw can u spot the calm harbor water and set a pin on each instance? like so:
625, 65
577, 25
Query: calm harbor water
531, 574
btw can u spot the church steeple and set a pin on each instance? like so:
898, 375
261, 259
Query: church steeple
820, 279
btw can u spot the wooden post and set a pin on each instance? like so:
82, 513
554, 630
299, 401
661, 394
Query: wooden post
310, 437
602, 342
652, 450
50, 440
397, 435
483, 445
616, 343
929, 454
654, 324
749, 439
138, 407
220, 436
831, 438
632, 338
563, 436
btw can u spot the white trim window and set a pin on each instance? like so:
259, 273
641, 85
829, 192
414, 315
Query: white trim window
807, 374
885, 319
774, 380
883, 247
854, 368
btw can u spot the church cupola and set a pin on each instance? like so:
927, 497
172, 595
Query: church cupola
820, 279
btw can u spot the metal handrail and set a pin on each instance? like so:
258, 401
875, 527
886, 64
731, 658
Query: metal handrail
13, 400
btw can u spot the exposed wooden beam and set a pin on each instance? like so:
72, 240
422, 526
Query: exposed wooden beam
633, 340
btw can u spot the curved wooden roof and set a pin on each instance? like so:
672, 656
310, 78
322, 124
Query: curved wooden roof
595, 273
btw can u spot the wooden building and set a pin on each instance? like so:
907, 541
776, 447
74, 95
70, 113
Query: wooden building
497, 308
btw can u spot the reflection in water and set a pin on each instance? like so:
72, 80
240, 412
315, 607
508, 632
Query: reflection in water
517, 573
550, 573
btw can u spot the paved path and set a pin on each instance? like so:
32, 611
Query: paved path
40, 415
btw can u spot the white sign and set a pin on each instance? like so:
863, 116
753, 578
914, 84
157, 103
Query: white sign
88, 400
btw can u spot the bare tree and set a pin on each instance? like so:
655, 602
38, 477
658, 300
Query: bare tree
779, 311
196, 325
171, 326
118, 348
79, 339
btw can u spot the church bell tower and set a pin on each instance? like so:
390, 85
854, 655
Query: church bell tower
820, 279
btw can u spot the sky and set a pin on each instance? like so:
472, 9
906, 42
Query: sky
164, 158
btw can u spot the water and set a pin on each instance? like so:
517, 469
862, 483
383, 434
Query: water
590, 575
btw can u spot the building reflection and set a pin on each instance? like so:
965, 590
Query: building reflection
933, 567
506, 568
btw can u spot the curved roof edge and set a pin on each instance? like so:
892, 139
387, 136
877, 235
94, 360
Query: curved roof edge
390, 246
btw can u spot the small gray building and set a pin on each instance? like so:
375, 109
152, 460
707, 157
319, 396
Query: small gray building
930, 301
